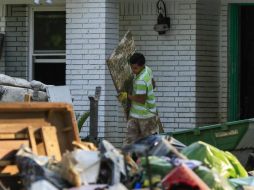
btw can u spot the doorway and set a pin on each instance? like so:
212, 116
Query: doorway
246, 62
241, 56
48, 47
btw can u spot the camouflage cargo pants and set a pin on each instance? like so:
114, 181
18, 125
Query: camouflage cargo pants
139, 128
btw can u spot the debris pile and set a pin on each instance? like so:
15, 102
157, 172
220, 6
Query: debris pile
14, 89
41, 149
153, 162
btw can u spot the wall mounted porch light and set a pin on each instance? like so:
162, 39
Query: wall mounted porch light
163, 22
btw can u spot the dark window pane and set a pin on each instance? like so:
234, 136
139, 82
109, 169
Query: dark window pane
49, 30
50, 73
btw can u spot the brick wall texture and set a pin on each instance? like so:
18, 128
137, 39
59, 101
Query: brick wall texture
16, 41
92, 34
2, 31
223, 59
207, 62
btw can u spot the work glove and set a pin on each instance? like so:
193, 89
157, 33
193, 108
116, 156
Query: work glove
122, 96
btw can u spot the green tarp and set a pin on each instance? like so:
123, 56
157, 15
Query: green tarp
225, 163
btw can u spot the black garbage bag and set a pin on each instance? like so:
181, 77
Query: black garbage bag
34, 168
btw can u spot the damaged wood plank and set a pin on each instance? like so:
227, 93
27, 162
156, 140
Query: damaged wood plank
16, 127
66, 129
27, 98
32, 141
120, 69
13, 136
48, 145
10, 146
51, 142
10, 170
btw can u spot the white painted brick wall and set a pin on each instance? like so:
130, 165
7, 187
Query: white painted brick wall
207, 89
92, 33
2, 31
171, 56
223, 96
16, 41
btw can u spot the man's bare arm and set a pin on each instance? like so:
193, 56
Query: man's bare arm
138, 98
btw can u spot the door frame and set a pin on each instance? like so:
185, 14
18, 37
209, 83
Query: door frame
33, 9
233, 61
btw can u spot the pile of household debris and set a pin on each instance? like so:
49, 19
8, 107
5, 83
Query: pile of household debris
153, 162
15, 89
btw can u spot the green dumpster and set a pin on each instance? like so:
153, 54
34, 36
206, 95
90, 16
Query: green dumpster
236, 137
226, 136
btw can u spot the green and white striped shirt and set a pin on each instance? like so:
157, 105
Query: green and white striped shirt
142, 84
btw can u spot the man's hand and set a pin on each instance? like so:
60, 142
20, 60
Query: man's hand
122, 96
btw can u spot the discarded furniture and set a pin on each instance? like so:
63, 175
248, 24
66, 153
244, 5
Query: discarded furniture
48, 128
